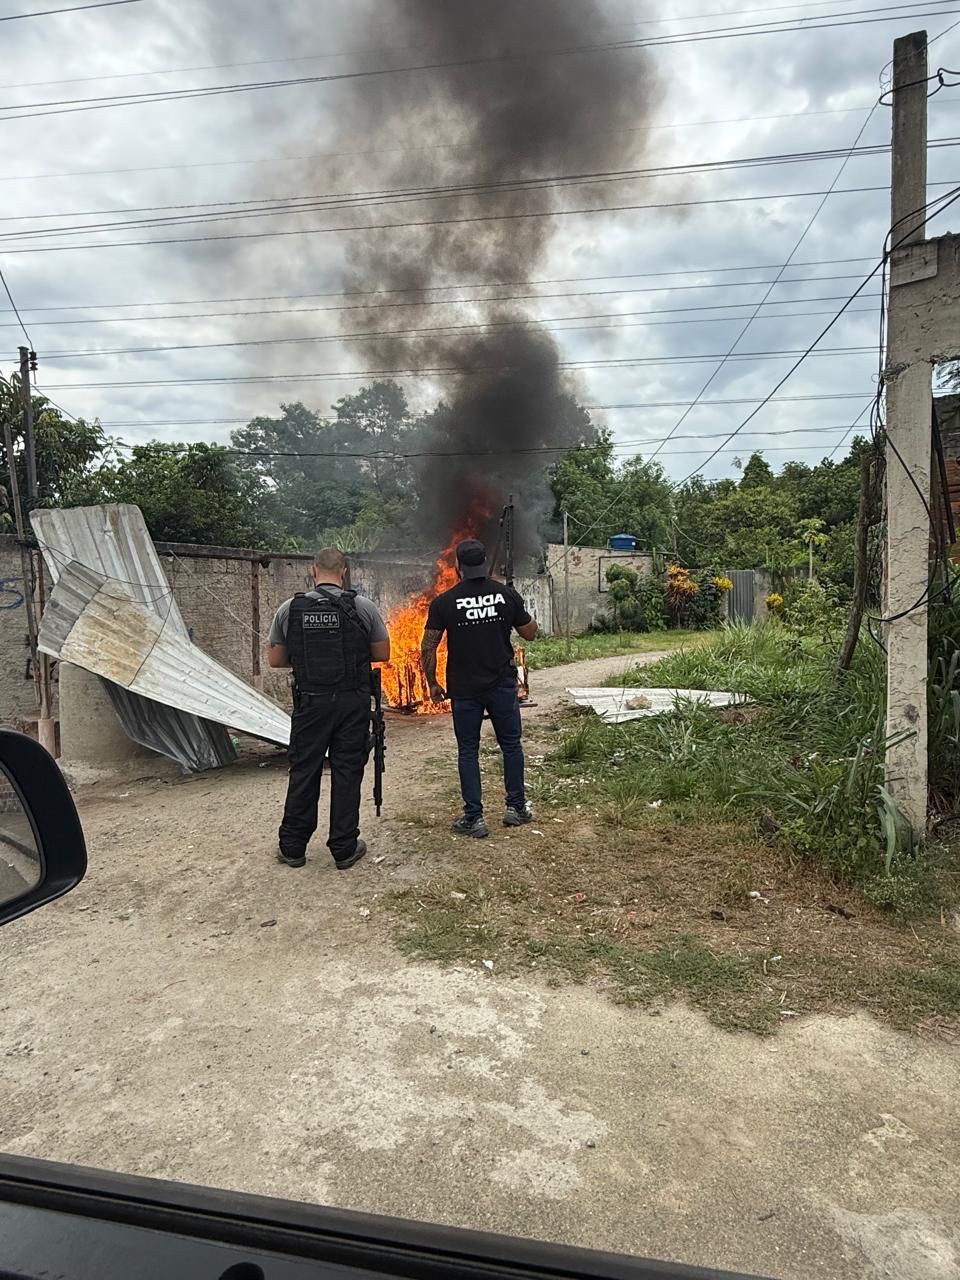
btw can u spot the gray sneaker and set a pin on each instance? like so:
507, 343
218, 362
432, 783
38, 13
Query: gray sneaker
517, 817
475, 827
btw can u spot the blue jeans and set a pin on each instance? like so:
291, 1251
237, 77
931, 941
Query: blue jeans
502, 706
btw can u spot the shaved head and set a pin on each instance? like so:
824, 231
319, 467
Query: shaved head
330, 565
330, 560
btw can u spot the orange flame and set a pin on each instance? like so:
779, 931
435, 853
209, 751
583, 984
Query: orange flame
403, 680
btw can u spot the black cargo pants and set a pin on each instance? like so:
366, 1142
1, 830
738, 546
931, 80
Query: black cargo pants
337, 723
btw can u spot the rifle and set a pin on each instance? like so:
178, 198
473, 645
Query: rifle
378, 732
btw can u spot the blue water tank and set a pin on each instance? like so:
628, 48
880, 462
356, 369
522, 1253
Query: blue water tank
623, 542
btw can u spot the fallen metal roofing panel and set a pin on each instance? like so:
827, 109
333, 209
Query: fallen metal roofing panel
92, 621
170, 732
613, 705
114, 540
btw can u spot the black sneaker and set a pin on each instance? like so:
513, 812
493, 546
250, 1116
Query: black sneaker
517, 817
475, 827
292, 859
344, 864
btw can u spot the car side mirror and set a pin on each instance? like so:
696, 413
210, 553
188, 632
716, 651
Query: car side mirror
42, 850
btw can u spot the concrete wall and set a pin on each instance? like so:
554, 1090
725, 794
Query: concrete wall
227, 596
588, 583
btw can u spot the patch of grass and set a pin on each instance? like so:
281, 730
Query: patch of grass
766, 662
552, 651
808, 759
664, 909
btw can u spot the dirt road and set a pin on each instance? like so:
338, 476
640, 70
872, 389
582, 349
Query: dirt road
195, 1011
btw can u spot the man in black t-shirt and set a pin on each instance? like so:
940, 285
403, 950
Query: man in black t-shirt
478, 616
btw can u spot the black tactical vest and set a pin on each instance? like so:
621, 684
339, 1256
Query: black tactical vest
328, 645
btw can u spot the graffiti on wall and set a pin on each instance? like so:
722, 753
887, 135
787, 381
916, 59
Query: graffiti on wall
11, 593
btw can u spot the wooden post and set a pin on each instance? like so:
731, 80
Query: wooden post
908, 389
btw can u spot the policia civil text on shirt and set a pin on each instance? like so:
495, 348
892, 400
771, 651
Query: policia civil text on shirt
478, 617
329, 636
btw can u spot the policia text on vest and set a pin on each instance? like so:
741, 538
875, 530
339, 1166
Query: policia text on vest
330, 637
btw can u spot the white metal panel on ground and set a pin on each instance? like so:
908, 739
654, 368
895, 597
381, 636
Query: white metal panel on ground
94, 622
613, 705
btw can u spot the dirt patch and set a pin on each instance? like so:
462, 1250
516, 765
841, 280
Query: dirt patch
667, 908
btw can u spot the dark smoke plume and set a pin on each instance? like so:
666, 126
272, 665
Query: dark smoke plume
488, 129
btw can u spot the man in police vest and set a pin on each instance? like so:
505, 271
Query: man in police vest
329, 636
478, 616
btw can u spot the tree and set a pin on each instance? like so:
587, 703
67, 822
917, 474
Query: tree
810, 532
774, 520
191, 493
757, 472
65, 447
603, 499
325, 471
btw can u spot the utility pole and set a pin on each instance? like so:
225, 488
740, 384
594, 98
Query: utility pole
26, 565
28, 361
566, 580
907, 379
33, 588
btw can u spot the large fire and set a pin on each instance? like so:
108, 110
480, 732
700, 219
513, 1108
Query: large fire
403, 679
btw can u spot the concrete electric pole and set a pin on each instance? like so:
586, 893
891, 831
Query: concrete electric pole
914, 331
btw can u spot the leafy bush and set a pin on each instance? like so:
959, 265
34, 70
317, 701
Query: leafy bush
811, 608
636, 601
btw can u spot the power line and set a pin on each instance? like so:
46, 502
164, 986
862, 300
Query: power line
405, 455
652, 404
599, 408
352, 53
303, 311
377, 151
69, 106
494, 284
638, 442
13, 306
446, 370
672, 404
445, 222
230, 210
80, 8
796, 248
945, 202
545, 325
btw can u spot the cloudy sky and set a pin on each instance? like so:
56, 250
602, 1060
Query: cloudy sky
114, 235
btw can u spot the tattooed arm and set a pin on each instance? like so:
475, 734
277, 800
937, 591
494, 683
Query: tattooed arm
428, 660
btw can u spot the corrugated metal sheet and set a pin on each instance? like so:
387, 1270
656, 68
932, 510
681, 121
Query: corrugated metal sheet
96, 623
170, 732
613, 705
113, 541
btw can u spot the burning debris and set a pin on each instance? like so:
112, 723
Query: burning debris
403, 680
